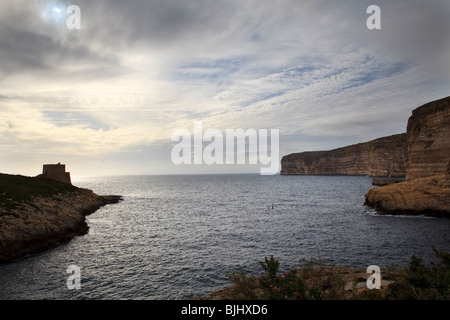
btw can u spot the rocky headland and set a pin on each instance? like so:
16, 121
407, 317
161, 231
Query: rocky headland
383, 157
426, 190
36, 213
429, 196
421, 155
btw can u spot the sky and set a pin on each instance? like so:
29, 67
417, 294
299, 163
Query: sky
106, 98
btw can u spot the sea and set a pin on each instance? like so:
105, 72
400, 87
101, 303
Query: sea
177, 237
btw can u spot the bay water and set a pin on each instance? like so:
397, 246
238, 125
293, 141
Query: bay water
179, 236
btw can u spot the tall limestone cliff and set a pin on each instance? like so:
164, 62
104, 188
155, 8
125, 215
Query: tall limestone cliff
427, 189
428, 137
380, 157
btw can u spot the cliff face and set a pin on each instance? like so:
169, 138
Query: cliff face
428, 138
427, 189
381, 157
36, 213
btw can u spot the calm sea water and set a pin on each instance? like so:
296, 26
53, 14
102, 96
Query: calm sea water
178, 237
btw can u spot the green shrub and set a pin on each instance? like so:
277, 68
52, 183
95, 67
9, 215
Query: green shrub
419, 281
270, 266
304, 284
316, 281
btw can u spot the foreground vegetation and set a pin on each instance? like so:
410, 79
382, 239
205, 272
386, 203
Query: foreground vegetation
317, 281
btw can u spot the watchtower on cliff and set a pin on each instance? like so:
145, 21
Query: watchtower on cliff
56, 172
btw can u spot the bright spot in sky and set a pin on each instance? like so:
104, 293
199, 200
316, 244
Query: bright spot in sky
57, 10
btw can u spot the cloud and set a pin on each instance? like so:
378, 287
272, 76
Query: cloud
4, 97
137, 70
75, 118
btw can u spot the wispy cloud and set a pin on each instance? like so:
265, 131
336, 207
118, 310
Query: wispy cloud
139, 69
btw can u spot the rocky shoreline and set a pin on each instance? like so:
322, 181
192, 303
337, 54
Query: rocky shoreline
429, 196
36, 213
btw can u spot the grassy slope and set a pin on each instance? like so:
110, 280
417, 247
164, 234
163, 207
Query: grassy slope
17, 189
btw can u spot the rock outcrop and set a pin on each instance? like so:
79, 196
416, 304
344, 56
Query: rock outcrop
426, 190
36, 213
380, 157
428, 137
429, 196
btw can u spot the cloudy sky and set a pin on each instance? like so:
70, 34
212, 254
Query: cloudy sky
106, 98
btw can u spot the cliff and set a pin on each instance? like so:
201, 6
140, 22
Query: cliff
380, 157
428, 138
427, 189
36, 213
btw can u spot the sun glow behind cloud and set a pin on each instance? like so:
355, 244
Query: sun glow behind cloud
136, 71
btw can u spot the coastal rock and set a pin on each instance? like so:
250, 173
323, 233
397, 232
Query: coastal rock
429, 196
386, 181
380, 157
428, 137
426, 190
34, 222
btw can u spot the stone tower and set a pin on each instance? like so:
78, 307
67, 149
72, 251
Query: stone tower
56, 172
